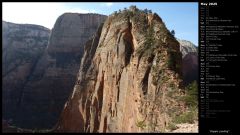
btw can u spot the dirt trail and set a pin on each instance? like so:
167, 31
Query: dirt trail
186, 128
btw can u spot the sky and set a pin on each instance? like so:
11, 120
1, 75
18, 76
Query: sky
182, 17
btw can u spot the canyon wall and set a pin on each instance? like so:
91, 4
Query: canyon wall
42, 97
130, 78
22, 47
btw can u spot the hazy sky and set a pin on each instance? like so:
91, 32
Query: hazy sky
178, 16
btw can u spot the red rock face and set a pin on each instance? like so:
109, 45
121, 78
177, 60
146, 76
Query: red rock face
128, 79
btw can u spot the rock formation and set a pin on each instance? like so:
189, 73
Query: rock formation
22, 46
47, 89
129, 79
55, 74
187, 47
189, 62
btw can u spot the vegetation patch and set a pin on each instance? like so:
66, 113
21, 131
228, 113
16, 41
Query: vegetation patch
191, 100
141, 124
191, 97
187, 117
171, 126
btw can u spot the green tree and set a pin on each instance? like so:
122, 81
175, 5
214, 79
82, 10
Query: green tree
145, 11
191, 97
173, 32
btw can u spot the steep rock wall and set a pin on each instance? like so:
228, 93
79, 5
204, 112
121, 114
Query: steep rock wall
22, 47
44, 94
131, 82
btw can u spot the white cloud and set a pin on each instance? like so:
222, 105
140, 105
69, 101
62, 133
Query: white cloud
77, 10
44, 14
109, 4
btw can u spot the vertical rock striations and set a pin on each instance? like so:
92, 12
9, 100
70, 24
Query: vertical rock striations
54, 76
129, 78
22, 46
43, 95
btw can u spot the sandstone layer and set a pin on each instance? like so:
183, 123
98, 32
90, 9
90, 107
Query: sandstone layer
129, 79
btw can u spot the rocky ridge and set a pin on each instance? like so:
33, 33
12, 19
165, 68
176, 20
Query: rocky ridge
129, 79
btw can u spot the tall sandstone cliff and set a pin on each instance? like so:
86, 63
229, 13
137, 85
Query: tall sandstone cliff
43, 96
129, 79
22, 47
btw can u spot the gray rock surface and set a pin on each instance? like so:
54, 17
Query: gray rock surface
187, 47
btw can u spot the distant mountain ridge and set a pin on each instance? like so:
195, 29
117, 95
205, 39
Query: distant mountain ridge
187, 47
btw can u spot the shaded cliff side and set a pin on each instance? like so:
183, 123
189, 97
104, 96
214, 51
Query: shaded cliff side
44, 94
189, 62
129, 79
22, 47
